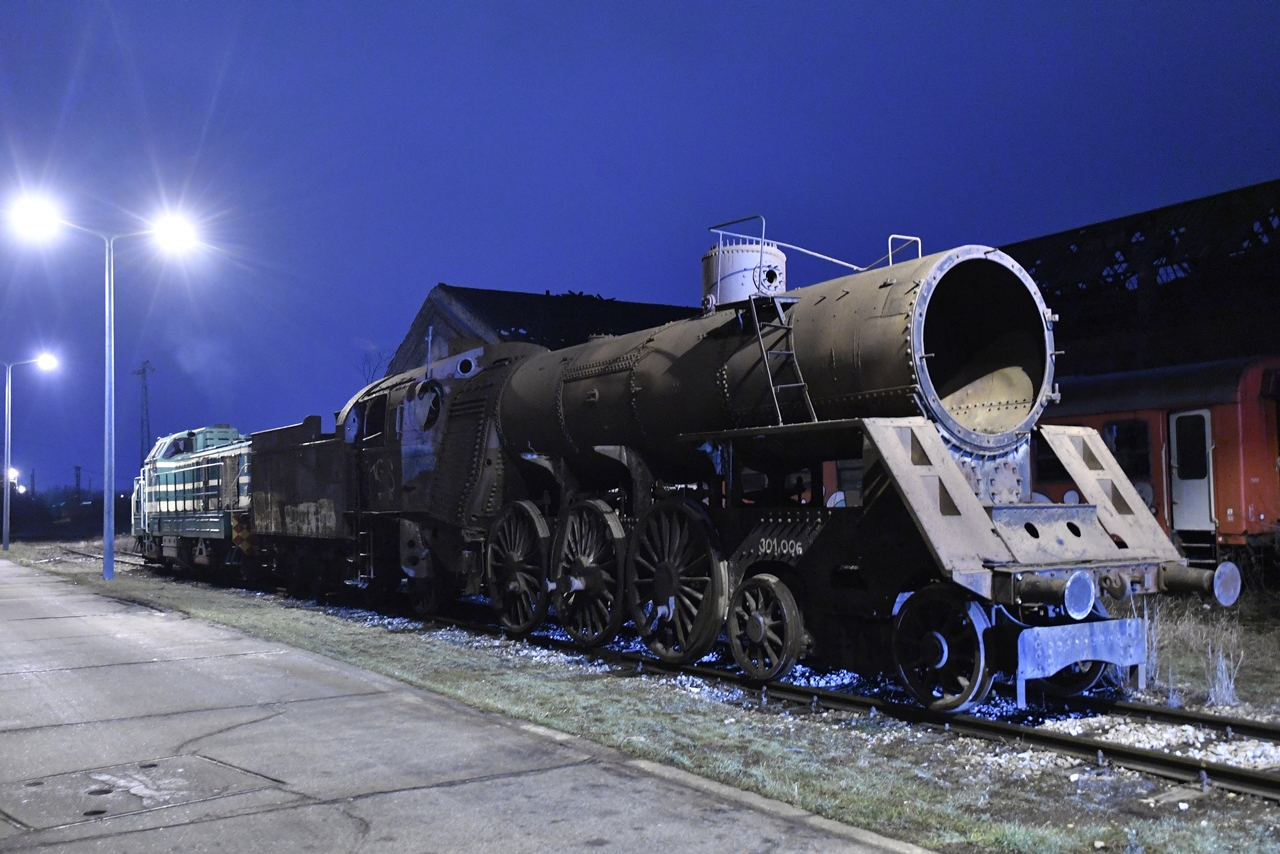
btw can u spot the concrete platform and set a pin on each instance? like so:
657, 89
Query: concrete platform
127, 729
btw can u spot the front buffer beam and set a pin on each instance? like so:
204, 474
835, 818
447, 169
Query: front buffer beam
1044, 650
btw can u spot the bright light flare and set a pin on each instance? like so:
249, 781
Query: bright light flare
34, 219
46, 361
22, 490
174, 234
13, 475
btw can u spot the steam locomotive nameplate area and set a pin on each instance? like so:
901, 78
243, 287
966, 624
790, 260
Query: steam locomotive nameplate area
839, 471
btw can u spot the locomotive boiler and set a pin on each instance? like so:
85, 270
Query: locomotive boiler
840, 470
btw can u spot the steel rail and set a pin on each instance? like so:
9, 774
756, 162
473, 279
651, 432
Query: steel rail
1181, 769
99, 557
1231, 726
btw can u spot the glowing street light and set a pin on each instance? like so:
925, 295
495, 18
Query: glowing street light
174, 234
36, 219
44, 362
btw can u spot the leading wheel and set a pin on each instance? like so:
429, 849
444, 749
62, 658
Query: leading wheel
939, 649
1072, 680
766, 632
589, 573
677, 586
515, 555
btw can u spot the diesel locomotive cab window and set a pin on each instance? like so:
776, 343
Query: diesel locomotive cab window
1193, 452
1130, 442
180, 445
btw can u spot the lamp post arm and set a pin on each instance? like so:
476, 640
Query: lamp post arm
109, 407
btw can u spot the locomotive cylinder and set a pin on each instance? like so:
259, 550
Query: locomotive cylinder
961, 336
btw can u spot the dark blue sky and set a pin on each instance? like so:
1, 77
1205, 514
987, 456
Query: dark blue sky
344, 157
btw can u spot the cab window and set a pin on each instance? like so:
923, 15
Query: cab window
177, 445
375, 420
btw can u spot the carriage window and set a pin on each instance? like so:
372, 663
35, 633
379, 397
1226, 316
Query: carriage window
1130, 442
1193, 451
1048, 467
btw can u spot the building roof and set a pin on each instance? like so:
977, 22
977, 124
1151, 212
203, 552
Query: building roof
1174, 387
476, 316
1192, 282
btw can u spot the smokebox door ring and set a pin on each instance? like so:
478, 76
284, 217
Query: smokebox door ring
980, 442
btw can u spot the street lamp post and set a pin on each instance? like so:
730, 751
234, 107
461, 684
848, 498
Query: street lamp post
38, 219
46, 363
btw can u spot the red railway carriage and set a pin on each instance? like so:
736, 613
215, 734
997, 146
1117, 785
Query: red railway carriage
1201, 443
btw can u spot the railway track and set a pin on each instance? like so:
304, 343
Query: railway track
1183, 769
119, 559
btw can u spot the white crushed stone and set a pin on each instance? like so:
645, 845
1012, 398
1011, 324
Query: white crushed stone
1175, 739
516, 649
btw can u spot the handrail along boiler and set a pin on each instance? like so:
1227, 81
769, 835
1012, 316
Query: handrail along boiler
839, 470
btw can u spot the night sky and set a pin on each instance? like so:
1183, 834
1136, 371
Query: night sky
343, 158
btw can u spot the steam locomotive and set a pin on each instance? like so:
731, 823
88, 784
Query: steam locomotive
841, 471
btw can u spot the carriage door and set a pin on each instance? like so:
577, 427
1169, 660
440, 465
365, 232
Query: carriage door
1190, 485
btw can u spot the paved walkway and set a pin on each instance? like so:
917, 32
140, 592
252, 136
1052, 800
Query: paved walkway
128, 729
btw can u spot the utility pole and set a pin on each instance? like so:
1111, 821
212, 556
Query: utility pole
78, 486
141, 373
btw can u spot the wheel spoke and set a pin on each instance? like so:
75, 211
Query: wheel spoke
944, 613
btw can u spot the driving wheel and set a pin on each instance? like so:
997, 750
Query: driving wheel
516, 567
589, 576
766, 632
939, 649
677, 586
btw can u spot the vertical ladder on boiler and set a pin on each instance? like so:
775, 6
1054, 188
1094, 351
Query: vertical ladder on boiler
787, 354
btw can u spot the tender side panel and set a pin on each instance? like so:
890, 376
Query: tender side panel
301, 484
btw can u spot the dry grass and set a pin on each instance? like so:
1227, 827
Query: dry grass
953, 794
1218, 656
